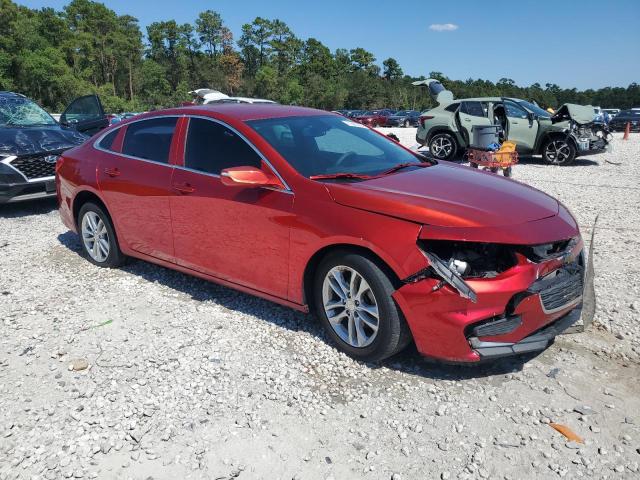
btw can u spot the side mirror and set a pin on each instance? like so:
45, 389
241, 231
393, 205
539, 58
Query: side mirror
246, 177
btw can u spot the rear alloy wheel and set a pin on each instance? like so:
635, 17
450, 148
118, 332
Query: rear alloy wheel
558, 151
353, 300
443, 146
98, 237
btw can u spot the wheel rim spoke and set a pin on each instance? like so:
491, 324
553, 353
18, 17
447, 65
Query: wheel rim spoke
95, 237
350, 306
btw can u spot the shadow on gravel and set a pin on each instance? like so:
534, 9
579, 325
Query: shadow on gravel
409, 361
578, 162
28, 208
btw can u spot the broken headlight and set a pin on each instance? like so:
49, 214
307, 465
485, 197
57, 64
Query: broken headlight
472, 259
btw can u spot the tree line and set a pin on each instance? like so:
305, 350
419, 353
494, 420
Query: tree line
53, 56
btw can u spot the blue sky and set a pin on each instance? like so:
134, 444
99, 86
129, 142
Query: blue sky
585, 44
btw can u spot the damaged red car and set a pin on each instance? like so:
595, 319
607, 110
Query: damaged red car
317, 212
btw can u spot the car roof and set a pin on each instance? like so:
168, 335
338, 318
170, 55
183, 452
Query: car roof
11, 94
243, 111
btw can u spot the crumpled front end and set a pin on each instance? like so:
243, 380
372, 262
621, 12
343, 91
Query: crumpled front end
579, 122
496, 299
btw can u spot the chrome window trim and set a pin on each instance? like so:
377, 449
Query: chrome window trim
7, 161
287, 188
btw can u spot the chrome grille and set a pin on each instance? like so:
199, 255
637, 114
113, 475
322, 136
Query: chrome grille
35, 166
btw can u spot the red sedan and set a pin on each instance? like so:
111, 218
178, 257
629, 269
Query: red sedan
374, 118
314, 211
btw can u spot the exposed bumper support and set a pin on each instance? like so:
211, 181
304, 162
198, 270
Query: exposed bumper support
538, 341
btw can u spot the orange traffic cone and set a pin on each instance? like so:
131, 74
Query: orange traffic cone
627, 130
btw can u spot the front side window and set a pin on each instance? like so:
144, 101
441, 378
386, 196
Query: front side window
212, 147
150, 139
514, 111
327, 145
21, 112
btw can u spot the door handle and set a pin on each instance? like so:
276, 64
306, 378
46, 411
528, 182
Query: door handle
467, 119
112, 172
514, 123
184, 188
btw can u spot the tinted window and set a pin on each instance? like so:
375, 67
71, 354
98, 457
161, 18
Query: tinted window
212, 147
476, 109
513, 111
452, 108
83, 109
150, 139
107, 140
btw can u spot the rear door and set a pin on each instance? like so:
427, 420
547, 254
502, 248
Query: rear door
85, 114
135, 180
522, 129
469, 114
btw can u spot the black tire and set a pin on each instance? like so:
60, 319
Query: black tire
407, 124
436, 150
392, 335
507, 172
558, 151
115, 258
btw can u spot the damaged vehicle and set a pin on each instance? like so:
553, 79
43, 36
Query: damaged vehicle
31, 142
319, 213
571, 132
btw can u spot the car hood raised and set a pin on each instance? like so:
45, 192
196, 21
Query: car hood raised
448, 195
581, 114
32, 140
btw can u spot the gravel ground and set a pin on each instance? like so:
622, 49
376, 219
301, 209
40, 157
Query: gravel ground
147, 373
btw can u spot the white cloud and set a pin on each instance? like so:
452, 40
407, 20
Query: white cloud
443, 27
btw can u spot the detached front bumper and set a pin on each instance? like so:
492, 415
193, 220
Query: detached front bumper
520, 310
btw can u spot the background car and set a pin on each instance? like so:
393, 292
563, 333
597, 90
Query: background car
374, 118
619, 122
403, 118
448, 129
31, 141
316, 212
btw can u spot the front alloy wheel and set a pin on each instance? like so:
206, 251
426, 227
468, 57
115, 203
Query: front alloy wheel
350, 306
443, 146
353, 298
558, 152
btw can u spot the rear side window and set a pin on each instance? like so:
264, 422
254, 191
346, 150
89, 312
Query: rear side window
108, 139
150, 139
475, 109
452, 108
212, 147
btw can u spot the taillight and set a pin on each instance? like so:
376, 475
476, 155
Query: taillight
424, 118
59, 162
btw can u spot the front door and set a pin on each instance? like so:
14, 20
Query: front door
470, 114
522, 129
85, 114
234, 233
136, 184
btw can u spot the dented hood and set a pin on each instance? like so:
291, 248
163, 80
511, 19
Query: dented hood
581, 114
448, 195
33, 140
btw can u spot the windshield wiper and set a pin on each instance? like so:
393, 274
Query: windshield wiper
340, 175
400, 166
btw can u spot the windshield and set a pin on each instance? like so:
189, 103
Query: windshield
326, 145
535, 109
22, 112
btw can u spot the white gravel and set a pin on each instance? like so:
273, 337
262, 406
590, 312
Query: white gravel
187, 379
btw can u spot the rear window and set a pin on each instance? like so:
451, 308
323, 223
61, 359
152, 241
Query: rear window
108, 139
150, 139
475, 109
